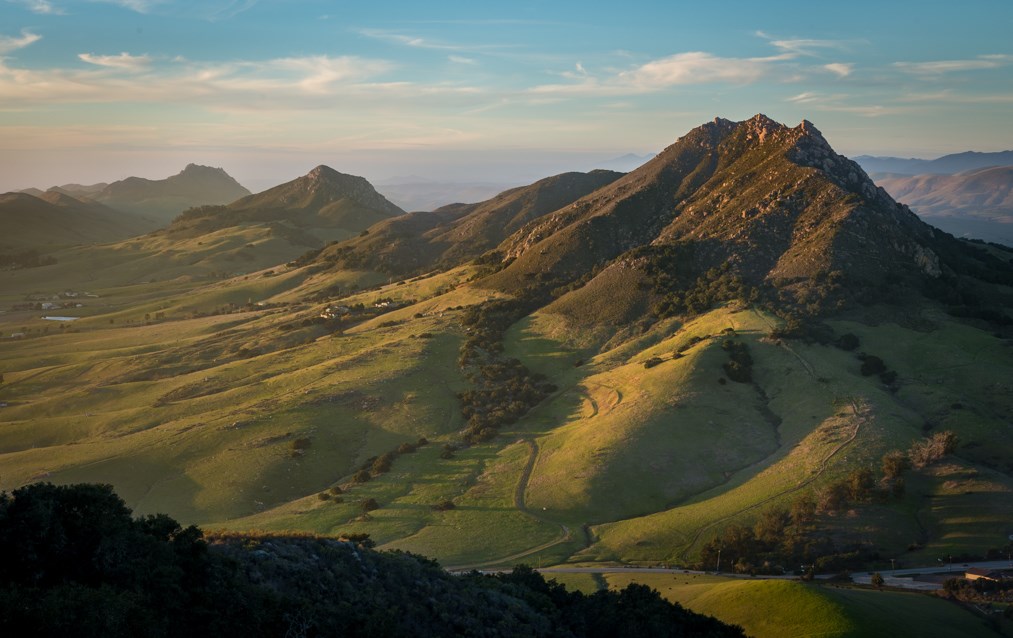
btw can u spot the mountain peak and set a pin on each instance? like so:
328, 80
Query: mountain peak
199, 169
762, 126
323, 172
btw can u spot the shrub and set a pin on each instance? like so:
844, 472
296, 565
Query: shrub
928, 451
848, 342
361, 476
444, 505
894, 464
369, 504
871, 364
653, 361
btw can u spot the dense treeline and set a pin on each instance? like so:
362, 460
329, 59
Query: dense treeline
73, 562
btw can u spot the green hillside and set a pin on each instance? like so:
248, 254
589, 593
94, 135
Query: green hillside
776, 608
630, 402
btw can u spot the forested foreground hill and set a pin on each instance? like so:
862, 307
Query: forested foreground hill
73, 562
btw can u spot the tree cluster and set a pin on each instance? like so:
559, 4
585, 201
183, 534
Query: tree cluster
739, 366
75, 563
503, 389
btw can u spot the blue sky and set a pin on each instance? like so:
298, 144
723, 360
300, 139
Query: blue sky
94, 90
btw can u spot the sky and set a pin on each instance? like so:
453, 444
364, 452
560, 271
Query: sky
96, 90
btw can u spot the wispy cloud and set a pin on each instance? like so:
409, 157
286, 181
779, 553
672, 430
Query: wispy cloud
694, 67
282, 84
701, 67
230, 10
140, 6
13, 43
839, 69
939, 67
408, 40
460, 59
43, 7
122, 61
795, 47
842, 103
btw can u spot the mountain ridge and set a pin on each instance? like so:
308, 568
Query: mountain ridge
945, 165
321, 199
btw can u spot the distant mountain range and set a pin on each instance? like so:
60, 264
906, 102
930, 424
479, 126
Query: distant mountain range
624, 163
160, 200
945, 165
984, 193
955, 193
416, 193
333, 204
54, 219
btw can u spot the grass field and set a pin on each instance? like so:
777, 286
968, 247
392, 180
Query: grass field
776, 608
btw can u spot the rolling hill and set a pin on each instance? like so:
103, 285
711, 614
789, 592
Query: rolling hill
976, 203
597, 367
163, 199
322, 199
52, 220
945, 165
457, 233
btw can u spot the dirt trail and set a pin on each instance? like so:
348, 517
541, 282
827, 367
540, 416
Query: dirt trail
519, 491
860, 419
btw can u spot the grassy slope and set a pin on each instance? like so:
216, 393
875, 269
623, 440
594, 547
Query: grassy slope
83, 405
220, 448
774, 608
832, 420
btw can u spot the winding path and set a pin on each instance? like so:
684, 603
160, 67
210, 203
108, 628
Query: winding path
519, 491
823, 466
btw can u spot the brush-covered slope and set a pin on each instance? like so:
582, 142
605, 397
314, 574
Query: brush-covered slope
163, 199
456, 233
772, 203
54, 219
323, 202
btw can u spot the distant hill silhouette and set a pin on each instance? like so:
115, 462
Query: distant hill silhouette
163, 199
325, 200
54, 219
945, 165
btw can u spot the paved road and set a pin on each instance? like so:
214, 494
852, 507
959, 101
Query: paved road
893, 578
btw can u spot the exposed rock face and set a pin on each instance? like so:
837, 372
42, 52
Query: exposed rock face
773, 203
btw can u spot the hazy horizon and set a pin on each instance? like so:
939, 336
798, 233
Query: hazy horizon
98, 90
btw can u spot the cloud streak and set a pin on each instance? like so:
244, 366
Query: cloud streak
694, 67
140, 6
42, 7
940, 67
122, 61
282, 84
13, 43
